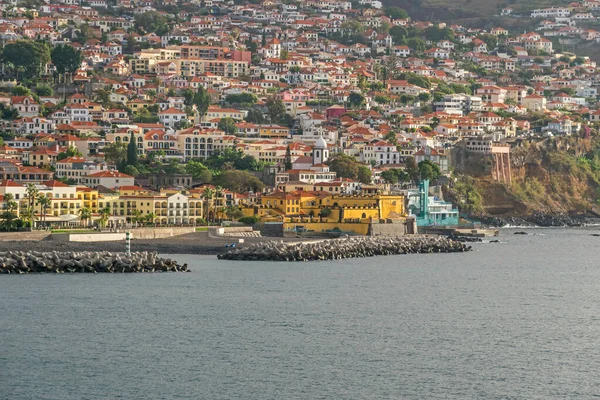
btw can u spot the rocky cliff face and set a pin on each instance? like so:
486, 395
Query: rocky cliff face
557, 178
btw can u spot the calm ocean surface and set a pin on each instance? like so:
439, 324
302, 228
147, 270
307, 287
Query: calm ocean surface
515, 320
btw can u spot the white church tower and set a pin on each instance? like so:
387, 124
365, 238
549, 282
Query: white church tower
320, 152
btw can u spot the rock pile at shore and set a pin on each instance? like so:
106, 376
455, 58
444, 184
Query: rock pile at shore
23, 262
535, 219
345, 248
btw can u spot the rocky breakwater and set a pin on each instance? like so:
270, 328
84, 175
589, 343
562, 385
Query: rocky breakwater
345, 248
23, 262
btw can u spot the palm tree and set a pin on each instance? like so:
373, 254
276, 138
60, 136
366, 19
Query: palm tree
136, 216
104, 216
9, 219
31, 193
29, 216
150, 218
207, 195
11, 204
44, 203
85, 214
218, 202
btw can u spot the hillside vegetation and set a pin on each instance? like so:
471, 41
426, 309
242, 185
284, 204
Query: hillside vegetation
449, 10
558, 175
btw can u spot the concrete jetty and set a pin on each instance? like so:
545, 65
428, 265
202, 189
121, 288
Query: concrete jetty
24, 262
350, 247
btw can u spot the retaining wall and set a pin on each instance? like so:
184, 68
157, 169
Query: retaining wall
159, 233
136, 233
21, 236
88, 237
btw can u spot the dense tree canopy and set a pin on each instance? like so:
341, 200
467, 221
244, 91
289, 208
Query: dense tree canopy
26, 57
276, 110
199, 171
239, 181
66, 58
200, 98
429, 170
396, 13
241, 99
255, 116
151, 21
232, 159
364, 174
344, 166
115, 153
227, 125
356, 100
395, 175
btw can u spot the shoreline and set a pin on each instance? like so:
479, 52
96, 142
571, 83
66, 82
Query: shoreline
197, 243
193, 243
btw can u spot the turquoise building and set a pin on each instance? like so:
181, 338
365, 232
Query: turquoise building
429, 210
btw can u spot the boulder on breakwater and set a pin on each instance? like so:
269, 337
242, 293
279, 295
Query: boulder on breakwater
351, 247
24, 262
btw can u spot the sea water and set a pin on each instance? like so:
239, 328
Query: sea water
518, 319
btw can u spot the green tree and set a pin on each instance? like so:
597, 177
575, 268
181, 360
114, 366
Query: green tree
66, 59
417, 44
131, 170
199, 171
287, 161
255, 116
8, 113
150, 218
241, 98
208, 195
249, 220
344, 166
144, 116
20, 91
104, 216
234, 213
70, 152
364, 174
325, 212
429, 170
9, 220
398, 33
27, 56
44, 203
44, 90
85, 215
232, 157
276, 110
115, 153
132, 152
31, 194
227, 125
412, 169
396, 13
435, 34
356, 100
424, 97
420, 81
389, 176
151, 21
199, 98
239, 181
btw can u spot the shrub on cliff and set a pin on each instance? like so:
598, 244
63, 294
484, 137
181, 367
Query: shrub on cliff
248, 220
